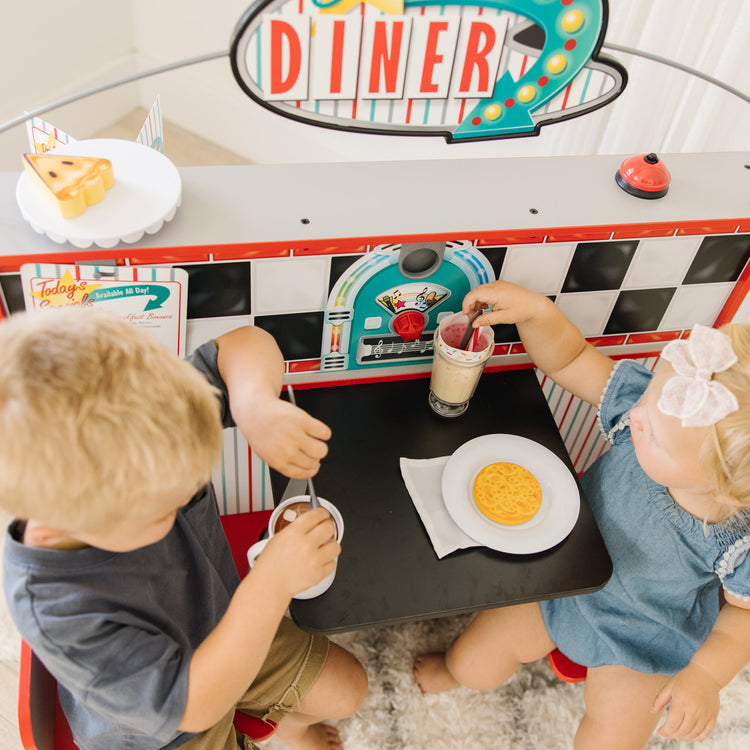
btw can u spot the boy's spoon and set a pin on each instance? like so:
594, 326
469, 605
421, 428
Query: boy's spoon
310, 488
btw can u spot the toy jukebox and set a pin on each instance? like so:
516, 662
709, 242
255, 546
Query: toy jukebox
384, 310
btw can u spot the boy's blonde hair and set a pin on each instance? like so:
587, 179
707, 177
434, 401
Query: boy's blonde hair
97, 418
729, 452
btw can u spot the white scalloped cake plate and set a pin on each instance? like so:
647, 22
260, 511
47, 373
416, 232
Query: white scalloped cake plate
146, 193
557, 514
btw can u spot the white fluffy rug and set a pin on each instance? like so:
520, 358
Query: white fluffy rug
534, 711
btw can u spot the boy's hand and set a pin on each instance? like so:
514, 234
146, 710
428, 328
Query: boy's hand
694, 697
287, 438
302, 554
510, 303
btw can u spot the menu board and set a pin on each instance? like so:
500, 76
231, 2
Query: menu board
152, 298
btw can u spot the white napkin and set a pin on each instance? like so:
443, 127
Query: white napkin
424, 480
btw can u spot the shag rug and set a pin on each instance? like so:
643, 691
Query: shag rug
533, 711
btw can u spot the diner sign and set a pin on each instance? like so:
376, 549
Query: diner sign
466, 70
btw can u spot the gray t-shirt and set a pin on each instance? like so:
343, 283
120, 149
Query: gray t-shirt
118, 630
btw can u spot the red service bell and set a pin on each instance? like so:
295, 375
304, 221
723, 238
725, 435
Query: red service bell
644, 176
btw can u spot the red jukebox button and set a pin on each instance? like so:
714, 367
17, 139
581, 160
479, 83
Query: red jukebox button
409, 325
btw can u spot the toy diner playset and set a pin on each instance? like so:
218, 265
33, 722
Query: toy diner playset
352, 266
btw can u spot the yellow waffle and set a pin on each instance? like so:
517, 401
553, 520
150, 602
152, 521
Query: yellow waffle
507, 493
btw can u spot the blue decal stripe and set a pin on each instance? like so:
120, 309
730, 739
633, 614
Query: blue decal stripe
372, 261
472, 260
585, 86
573, 421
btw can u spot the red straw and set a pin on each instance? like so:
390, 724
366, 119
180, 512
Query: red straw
474, 340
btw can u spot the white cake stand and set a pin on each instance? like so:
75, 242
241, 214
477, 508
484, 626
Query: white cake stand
146, 193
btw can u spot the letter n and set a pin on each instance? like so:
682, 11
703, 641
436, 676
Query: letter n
385, 45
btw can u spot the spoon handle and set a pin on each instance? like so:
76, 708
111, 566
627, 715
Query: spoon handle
310, 488
313, 495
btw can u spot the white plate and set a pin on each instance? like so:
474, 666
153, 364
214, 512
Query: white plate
557, 514
146, 193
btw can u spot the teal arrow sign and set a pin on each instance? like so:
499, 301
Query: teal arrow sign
159, 293
572, 31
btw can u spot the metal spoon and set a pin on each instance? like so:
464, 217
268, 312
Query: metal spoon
310, 488
469, 330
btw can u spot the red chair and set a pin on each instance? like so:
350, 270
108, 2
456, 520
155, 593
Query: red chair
41, 721
565, 668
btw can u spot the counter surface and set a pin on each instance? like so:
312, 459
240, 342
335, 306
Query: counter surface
388, 201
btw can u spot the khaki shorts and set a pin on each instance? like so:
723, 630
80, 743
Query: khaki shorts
294, 662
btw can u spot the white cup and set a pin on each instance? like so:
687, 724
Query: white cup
258, 547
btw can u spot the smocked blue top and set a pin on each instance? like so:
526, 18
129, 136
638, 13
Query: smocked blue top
662, 600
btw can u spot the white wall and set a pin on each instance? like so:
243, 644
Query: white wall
661, 110
50, 49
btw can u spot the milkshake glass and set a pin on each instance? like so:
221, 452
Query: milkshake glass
456, 372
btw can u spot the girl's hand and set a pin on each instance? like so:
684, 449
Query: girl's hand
510, 303
287, 438
694, 696
553, 343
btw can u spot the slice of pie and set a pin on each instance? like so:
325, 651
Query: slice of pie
71, 183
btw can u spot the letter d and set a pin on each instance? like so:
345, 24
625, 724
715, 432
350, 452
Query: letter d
284, 34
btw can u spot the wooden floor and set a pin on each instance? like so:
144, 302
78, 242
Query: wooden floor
184, 149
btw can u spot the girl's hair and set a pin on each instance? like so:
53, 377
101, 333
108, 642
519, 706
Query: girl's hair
97, 418
729, 451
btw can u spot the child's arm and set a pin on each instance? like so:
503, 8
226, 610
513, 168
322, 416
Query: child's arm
290, 440
285, 437
223, 666
554, 344
694, 691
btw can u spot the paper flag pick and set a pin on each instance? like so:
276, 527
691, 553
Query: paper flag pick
44, 136
152, 134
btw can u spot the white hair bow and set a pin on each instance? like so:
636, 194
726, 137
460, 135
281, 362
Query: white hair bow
691, 395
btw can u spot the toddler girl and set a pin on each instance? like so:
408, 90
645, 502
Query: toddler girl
672, 499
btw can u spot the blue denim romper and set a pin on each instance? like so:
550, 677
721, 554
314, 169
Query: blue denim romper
662, 600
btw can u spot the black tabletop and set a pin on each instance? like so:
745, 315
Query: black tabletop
388, 570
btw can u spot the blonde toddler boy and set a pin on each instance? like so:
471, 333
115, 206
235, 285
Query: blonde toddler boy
116, 568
